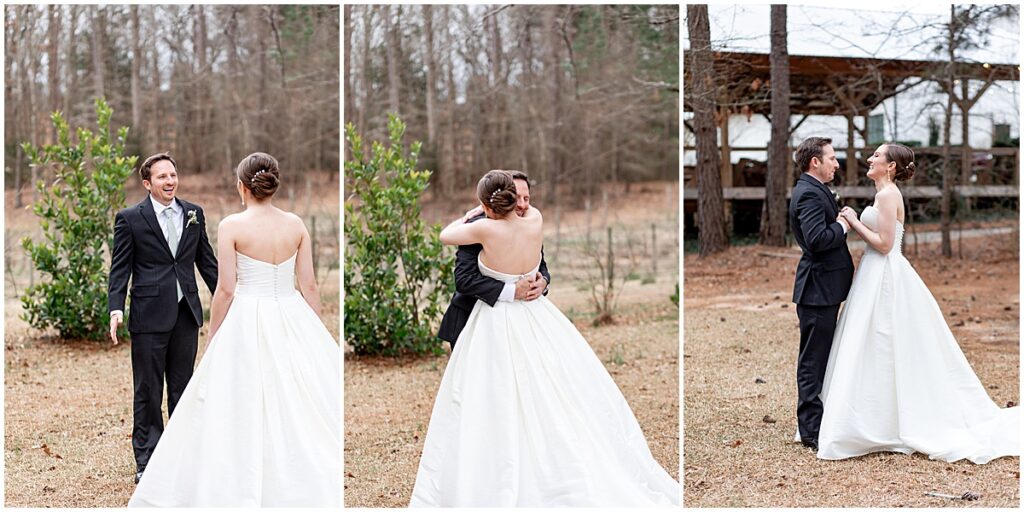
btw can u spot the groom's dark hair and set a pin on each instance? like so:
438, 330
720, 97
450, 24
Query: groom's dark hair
520, 175
808, 149
146, 168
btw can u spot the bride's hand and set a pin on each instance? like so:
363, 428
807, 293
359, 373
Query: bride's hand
849, 214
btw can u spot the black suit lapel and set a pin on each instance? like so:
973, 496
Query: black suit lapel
147, 213
830, 197
186, 235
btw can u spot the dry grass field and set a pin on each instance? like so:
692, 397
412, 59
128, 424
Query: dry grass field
388, 401
67, 405
740, 345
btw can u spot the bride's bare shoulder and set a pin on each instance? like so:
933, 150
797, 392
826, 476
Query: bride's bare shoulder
888, 197
229, 221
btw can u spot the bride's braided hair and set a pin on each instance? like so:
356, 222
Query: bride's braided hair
497, 190
258, 172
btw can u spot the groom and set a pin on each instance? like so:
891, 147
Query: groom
823, 275
158, 244
471, 285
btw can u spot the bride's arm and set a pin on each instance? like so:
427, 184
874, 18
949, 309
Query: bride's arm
460, 232
226, 277
886, 202
304, 271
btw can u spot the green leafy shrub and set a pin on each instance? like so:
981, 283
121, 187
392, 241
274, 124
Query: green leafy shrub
397, 272
77, 219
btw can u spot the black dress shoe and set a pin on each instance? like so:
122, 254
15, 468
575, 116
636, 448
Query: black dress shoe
810, 443
138, 476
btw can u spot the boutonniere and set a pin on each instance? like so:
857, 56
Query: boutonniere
835, 194
192, 219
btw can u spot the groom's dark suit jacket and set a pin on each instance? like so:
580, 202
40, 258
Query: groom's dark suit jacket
470, 286
141, 253
825, 271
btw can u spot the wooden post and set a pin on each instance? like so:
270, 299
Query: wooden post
851, 154
611, 265
726, 166
586, 205
654, 252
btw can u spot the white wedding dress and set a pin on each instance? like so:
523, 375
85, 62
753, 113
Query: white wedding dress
896, 378
527, 416
259, 424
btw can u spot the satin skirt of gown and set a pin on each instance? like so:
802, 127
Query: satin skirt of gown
259, 424
527, 416
896, 378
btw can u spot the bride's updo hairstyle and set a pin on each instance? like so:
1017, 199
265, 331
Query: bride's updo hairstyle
258, 172
497, 190
904, 159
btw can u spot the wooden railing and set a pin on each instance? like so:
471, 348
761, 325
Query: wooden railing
757, 193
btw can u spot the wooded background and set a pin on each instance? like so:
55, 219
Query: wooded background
572, 95
210, 84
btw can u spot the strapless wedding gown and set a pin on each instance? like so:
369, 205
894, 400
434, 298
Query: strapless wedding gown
259, 424
897, 379
527, 416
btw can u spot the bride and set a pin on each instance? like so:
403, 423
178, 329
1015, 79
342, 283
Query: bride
526, 414
259, 423
896, 379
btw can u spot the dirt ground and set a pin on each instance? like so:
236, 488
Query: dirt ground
740, 328
67, 405
388, 401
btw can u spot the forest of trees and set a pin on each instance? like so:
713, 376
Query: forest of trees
210, 83
573, 95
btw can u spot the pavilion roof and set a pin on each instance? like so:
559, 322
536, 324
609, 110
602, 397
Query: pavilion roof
830, 85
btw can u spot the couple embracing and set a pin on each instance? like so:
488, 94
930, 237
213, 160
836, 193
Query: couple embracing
888, 375
526, 414
258, 424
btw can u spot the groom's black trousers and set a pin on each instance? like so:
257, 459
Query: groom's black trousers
817, 325
155, 355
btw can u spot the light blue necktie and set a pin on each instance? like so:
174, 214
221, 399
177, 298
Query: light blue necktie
172, 242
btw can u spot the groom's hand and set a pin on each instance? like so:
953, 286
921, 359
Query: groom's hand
523, 287
473, 213
843, 222
537, 286
115, 321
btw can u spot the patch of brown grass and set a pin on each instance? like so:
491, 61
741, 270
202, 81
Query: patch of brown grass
740, 326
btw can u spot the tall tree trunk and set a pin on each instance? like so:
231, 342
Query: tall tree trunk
12, 97
553, 67
452, 166
70, 71
773, 211
52, 64
364, 78
710, 209
97, 30
428, 36
392, 31
349, 93
200, 106
156, 132
947, 168
431, 93
136, 71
